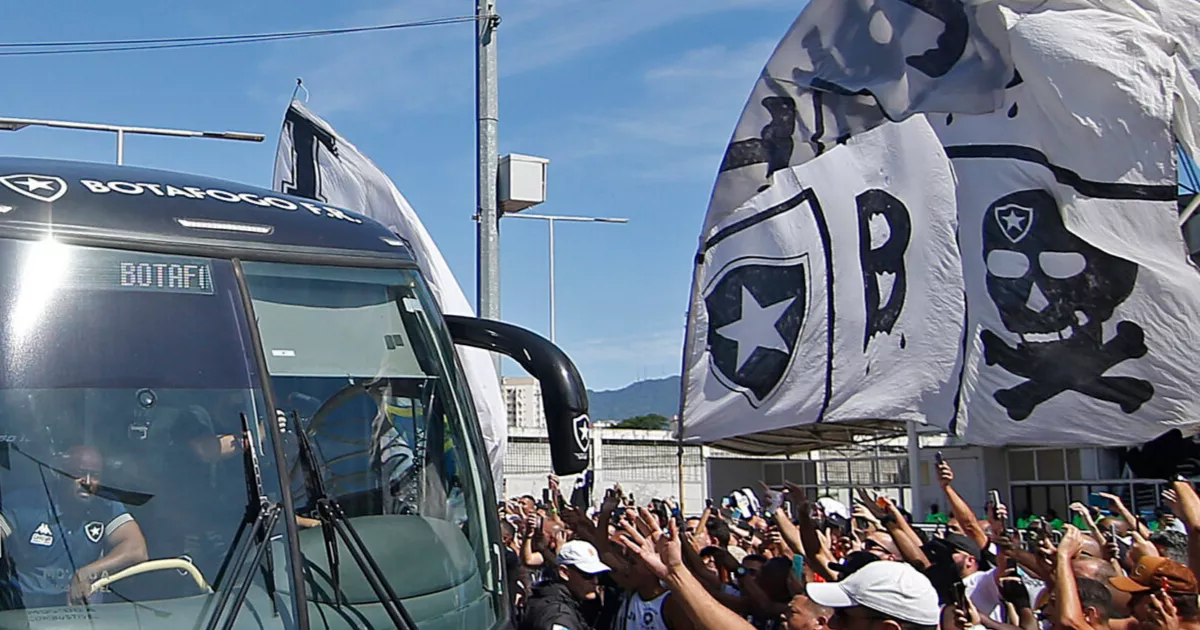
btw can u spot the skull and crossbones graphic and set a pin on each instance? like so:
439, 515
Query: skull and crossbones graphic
1055, 291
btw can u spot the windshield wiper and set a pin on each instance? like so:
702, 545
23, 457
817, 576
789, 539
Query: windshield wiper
127, 497
262, 515
334, 520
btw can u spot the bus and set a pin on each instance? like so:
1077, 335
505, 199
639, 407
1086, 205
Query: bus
226, 407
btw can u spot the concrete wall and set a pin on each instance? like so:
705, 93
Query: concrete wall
645, 463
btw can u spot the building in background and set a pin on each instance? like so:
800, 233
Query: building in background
646, 464
523, 397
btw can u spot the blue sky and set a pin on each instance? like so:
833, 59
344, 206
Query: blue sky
632, 100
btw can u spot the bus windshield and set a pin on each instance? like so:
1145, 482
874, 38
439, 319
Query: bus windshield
359, 362
127, 380
136, 429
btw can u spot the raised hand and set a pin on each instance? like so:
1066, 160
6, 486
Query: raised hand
872, 504
1171, 498
1071, 545
945, 474
661, 553
612, 499
1114, 500
1013, 591
1162, 612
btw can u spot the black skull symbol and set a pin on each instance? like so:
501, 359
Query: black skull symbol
1056, 291
1048, 283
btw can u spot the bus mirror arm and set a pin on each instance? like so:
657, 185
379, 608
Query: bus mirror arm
564, 396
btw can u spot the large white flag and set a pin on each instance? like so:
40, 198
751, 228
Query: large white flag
1083, 305
1060, 121
846, 67
314, 161
833, 295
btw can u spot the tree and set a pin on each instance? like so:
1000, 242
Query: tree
649, 421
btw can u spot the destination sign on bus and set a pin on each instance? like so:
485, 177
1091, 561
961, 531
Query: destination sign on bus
175, 277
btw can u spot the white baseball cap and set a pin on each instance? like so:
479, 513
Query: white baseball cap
894, 589
583, 556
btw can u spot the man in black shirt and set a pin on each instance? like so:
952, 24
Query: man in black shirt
556, 604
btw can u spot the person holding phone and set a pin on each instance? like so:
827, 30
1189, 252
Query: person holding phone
1164, 594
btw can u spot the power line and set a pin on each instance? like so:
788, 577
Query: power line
162, 43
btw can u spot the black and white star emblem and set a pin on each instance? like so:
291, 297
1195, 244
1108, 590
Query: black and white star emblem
1014, 221
583, 432
94, 531
756, 310
45, 188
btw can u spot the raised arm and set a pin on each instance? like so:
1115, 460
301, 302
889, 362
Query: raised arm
1187, 509
959, 506
531, 557
663, 555
1092, 528
1069, 611
902, 533
817, 554
1119, 507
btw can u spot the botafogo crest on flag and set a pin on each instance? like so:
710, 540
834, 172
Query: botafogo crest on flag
956, 213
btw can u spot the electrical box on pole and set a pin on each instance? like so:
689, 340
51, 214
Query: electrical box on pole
521, 182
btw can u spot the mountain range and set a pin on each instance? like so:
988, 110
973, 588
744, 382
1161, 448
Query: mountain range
660, 396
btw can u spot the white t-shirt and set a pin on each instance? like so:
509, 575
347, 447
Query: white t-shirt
983, 591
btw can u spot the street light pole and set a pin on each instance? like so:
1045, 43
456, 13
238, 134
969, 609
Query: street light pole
17, 124
487, 232
550, 223
550, 219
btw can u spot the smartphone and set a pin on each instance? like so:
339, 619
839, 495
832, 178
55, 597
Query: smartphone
994, 497
882, 502
798, 566
546, 497
708, 503
1097, 501
960, 595
937, 457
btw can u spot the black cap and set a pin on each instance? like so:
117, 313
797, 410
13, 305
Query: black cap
853, 561
965, 544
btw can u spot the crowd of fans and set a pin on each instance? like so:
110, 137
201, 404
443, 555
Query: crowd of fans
792, 562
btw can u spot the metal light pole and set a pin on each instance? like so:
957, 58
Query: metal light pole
487, 230
550, 219
17, 124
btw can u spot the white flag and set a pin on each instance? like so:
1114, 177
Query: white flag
833, 295
1081, 302
314, 161
845, 67
1083, 305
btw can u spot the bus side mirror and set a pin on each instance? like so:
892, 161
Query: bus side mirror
564, 397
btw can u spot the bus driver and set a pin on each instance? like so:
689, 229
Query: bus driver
62, 539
